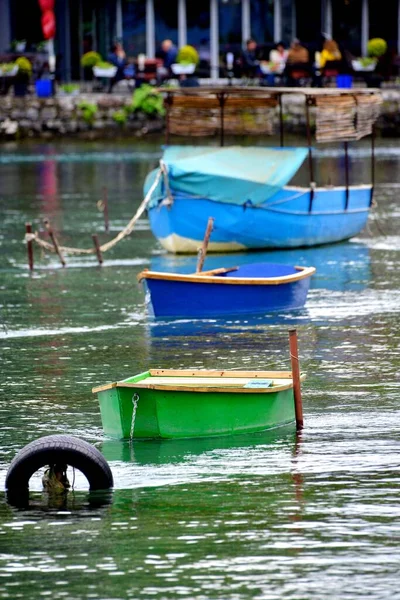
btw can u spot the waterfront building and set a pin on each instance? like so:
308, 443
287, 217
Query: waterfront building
213, 26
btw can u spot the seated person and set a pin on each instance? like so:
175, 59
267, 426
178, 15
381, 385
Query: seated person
251, 64
330, 54
117, 57
298, 63
297, 55
279, 56
169, 52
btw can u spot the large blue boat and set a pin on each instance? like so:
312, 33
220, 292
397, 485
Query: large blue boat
247, 189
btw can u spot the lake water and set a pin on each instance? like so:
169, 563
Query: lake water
266, 516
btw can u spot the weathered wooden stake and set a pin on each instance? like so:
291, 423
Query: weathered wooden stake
105, 209
55, 242
203, 250
97, 246
294, 356
29, 245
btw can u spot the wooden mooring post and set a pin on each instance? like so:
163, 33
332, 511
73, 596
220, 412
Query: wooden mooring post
97, 247
29, 246
55, 242
203, 250
294, 357
105, 209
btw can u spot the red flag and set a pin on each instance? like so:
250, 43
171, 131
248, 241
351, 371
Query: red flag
46, 5
48, 24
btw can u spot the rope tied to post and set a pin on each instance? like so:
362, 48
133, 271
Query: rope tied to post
34, 236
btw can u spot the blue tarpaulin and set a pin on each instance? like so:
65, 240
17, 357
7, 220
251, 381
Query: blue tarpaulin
233, 175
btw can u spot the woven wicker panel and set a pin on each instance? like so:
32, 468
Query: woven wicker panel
368, 110
198, 116
346, 118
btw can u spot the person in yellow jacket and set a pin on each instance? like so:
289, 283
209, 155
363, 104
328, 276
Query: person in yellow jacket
330, 52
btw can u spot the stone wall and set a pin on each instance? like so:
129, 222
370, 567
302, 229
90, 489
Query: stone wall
66, 115
63, 115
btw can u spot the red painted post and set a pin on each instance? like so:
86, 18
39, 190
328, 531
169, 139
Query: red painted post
294, 356
105, 209
29, 245
97, 246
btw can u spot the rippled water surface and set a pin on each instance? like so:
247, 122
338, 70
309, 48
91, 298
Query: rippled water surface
266, 516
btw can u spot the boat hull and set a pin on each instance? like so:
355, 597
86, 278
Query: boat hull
172, 299
285, 221
184, 414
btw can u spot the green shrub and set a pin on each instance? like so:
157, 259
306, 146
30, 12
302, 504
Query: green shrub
7, 67
69, 88
88, 111
188, 55
148, 100
120, 117
104, 65
366, 61
376, 47
24, 66
90, 59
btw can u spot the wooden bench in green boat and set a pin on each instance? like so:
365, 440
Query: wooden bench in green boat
168, 403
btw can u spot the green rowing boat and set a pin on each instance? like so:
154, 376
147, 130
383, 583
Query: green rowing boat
168, 404
184, 403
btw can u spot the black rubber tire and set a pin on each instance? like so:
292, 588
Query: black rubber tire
53, 449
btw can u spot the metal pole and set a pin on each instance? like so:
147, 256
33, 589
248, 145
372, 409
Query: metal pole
182, 23
372, 164
168, 103
55, 242
294, 357
346, 170
246, 20
97, 247
203, 250
277, 21
214, 39
310, 159
364, 27
150, 29
29, 245
119, 32
282, 143
222, 99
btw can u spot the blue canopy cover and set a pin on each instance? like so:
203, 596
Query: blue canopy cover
233, 175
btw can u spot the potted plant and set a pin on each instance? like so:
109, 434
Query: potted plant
22, 77
88, 61
8, 69
104, 69
187, 61
376, 48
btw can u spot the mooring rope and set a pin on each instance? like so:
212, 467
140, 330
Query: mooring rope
34, 237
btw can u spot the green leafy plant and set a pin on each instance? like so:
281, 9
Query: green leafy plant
41, 46
188, 55
17, 44
7, 67
69, 88
120, 117
148, 100
366, 61
376, 47
90, 59
104, 65
24, 66
88, 111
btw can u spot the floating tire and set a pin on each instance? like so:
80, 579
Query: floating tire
53, 449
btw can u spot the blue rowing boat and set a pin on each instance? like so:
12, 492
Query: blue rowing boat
251, 289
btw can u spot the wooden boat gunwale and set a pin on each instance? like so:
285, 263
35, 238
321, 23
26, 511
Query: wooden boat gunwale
304, 272
145, 381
